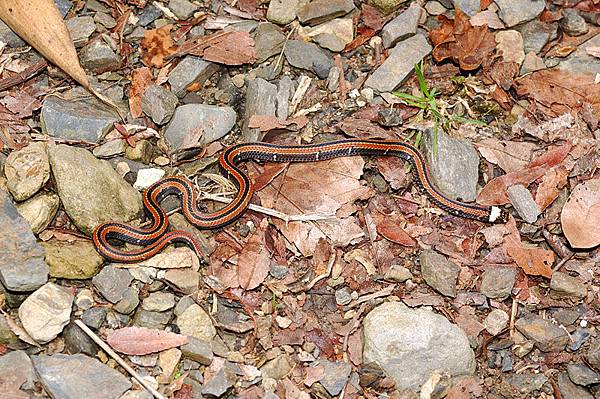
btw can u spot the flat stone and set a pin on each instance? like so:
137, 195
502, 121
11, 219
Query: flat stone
129, 301
112, 282
497, 282
190, 70
11, 38
469, 7
195, 322
268, 41
455, 166
276, 368
536, 34
182, 9
581, 374
159, 103
548, 337
309, 56
404, 25
593, 354
79, 376
22, 266
39, 210
434, 8
198, 350
80, 29
386, 7
523, 202
285, 90
399, 64
155, 320
219, 383
333, 35
91, 191
564, 286
185, 279
260, 100
94, 317
72, 260
527, 383
570, 390
496, 321
16, 372
27, 170
199, 124
532, 63
46, 312
411, 344
159, 301
84, 299
283, 12
7, 336
319, 11
99, 57
439, 273
573, 23
398, 274
143, 152
105, 20
335, 376
82, 119
167, 361
580, 62
509, 43
110, 149
514, 12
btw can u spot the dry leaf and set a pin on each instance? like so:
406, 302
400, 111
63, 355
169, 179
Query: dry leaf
580, 216
511, 156
21, 103
392, 169
230, 48
141, 340
269, 122
19, 331
140, 79
254, 260
389, 227
156, 46
534, 261
593, 51
549, 188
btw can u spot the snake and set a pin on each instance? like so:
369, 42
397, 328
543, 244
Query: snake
154, 237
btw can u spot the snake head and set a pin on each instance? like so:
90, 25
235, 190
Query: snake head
498, 215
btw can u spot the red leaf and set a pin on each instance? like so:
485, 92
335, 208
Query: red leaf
140, 79
141, 341
157, 45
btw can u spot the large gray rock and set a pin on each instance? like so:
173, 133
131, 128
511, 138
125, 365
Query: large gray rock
268, 41
17, 369
27, 170
199, 124
91, 191
514, 12
580, 62
536, 34
411, 344
319, 11
190, 70
79, 376
402, 26
22, 266
308, 56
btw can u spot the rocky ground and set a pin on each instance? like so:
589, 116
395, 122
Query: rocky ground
347, 283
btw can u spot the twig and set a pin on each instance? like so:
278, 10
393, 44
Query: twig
303, 85
384, 292
119, 359
324, 275
562, 262
287, 38
23, 76
513, 314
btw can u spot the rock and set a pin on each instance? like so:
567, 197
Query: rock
220, 382
39, 210
497, 282
80, 29
147, 177
195, 322
190, 70
82, 119
285, 90
143, 152
129, 301
510, 44
469, 7
184, 303
564, 286
185, 279
183, 9
148, 15
572, 23
167, 361
17, 375
154, 320
199, 124
268, 41
532, 63
342, 296
283, 12
593, 354
335, 376
496, 321
112, 282
581, 374
84, 299
105, 20
9, 37
79, 376
404, 25
333, 35
99, 57
72, 260
536, 34
159, 104
94, 317
45, 312
198, 350
580, 62
91, 191
309, 56
434, 8
159, 302
276, 368
548, 337
260, 100
76, 341
439, 273
110, 149
386, 7
27, 170
570, 390
411, 344
521, 198
527, 383
399, 64
22, 266
455, 168
319, 11
514, 12
398, 274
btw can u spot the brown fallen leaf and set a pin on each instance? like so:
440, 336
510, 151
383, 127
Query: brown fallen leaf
156, 46
580, 216
237, 48
460, 41
254, 260
269, 122
389, 227
21, 103
533, 260
140, 79
392, 169
511, 156
142, 341
549, 189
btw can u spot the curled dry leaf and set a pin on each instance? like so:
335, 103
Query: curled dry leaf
580, 216
534, 261
157, 45
141, 341
255, 259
